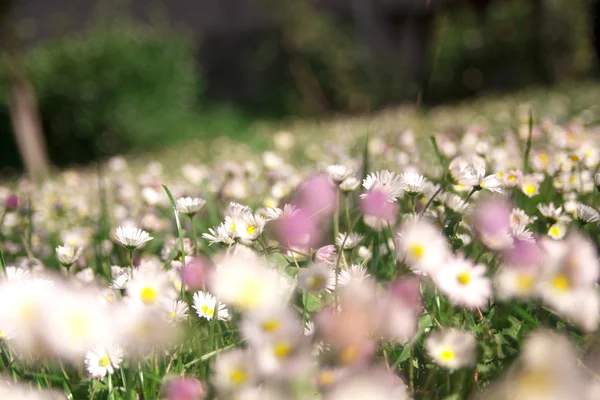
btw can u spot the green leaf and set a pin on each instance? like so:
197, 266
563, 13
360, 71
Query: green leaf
312, 303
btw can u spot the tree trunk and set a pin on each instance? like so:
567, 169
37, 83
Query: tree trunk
23, 106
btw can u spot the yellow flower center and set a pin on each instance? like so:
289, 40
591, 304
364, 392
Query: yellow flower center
561, 283
555, 230
78, 325
512, 178
208, 311
237, 376
2, 334
316, 282
416, 250
250, 230
282, 349
271, 325
447, 355
148, 296
525, 282
326, 378
103, 361
463, 278
172, 315
250, 293
233, 228
574, 157
530, 189
349, 354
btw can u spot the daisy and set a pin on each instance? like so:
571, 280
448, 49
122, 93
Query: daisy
452, 348
102, 361
250, 227
557, 231
132, 237
120, 277
318, 278
349, 184
274, 213
530, 186
465, 284
265, 325
552, 213
512, 178
356, 273
348, 240
339, 173
189, 205
242, 280
519, 217
387, 181
178, 312
219, 234
232, 371
516, 283
597, 181
149, 287
413, 183
67, 254
16, 274
422, 246
586, 214
326, 254
471, 173
205, 303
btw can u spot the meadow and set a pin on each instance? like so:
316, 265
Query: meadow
448, 253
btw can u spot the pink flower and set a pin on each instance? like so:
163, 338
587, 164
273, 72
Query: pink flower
12, 202
297, 230
195, 273
523, 253
375, 203
317, 196
184, 389
492, 217
326, 254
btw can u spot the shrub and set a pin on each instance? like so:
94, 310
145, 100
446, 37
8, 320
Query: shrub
111, 89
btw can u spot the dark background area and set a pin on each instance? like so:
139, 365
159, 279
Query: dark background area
117, 76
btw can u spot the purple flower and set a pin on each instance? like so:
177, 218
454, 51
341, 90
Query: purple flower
492, 216
12, 202
375, 203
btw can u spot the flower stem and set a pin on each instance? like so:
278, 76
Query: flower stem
131, 259
194, 237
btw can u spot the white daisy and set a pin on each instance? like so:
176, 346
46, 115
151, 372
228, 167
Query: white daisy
150, 287
586, 214
557, 231
219, 234
422, 246
132, 237
465, 284
205, 303
317, 278
338, 173
356, 273
102, 361
233, 370
67, 254
516, 283
350, 184
178, 312
452, 348
120, 277
413, 183
189, 205
348, 240
387, 181
553, 214
530, 186
250, 227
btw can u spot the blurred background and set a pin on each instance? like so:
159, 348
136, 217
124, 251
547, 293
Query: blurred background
102, 77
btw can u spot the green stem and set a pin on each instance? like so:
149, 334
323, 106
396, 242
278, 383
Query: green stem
194, 237
131, 259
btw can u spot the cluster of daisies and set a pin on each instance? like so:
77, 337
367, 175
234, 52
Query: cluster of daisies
390, 273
